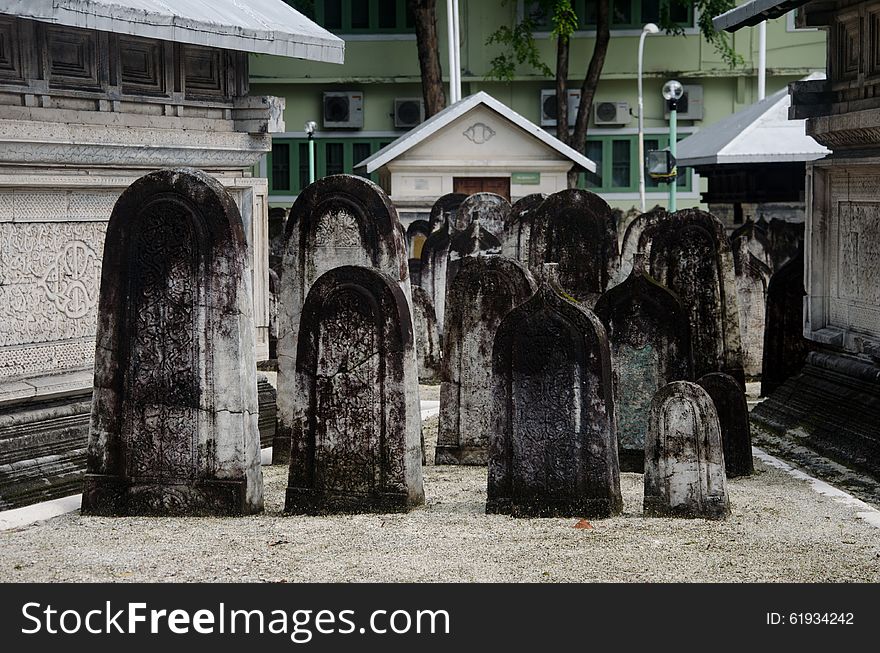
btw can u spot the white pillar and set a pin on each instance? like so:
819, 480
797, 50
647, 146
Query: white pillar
762, 60
457, 25
453, 48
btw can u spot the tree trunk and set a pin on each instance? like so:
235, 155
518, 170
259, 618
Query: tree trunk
562, 51
591, 81
425, 18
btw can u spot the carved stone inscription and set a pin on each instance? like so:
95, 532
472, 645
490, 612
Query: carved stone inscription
858, 268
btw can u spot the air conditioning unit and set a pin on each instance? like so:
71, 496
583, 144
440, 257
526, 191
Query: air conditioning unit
611, 113
408, 112
343, 109
690, 106
548, 106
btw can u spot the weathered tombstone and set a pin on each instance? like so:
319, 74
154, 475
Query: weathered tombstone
684, 457
488, 209
274, 287
785, 239
277, 222
517, 229
553, 448
174, 428
338, 220
690, 255
752, 277
427, 337
574, 229
416, 235
474, 241
432, 273
785, 348
355, 431
443, 210
650, 340
632, 239
733, 417
482, 293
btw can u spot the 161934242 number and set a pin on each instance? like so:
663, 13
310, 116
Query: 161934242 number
810, 618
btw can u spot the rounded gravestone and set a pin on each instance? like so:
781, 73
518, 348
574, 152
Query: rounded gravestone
733, 417
517, 228
443, 210
487, 209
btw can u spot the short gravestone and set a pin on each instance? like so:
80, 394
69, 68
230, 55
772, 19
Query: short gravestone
488, 209
733, 417
482, 293
574, 229
688, 252
474, 241
174, 427
649, 334
443, 210
355, 431
427, 337
684, 457
553, 447
517, 228
338, 220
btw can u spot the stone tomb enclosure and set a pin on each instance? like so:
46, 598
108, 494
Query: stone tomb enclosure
553, 450
355, 428
174, 427
482, 293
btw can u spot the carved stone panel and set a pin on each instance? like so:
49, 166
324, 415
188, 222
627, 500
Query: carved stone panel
650, 342
575, 229
482, 293
517, 228
553, 448
339, 220
733, 417
174, 426
356, 430
427, 336
684, 458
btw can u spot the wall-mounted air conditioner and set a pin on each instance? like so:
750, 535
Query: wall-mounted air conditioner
343, 109
408, 112
690, 106
548, 106
611, 113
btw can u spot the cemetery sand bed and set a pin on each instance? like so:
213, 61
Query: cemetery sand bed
779, 530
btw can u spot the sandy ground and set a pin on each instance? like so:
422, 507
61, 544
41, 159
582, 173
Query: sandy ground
780, 530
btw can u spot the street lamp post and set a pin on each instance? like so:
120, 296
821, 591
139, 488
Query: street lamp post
310, 128
672, 92
649, 28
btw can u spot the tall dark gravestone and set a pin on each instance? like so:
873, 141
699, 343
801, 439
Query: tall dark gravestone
174, 427
355, 432
650, 342
751, 263
733, 417
338, 220
482, 293
518, 227
574, 229
553, 448
684, 457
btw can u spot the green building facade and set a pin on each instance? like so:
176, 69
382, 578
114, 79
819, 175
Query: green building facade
381, 71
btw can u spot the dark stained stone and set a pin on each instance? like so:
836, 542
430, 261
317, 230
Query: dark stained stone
553, 449
517, 229
474, 241
482, 293
355, 432
435, 258
649, 334
633, 237
733, 417
752, 277
574, 228
785, 348
338, 220
427, 337
690, 254
684, 458
443, 210
174, 428
487, 209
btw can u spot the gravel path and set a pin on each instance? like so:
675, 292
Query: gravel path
780, 530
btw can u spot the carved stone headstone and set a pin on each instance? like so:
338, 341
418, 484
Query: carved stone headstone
174, 428
432, 272
689, 253
489, 209
752, 277
574, 229
785, 348
632, 243
338, 220
474, 241
443, 210
733, 417
355, 430
517, 229
416, 234
482, 293
427, 336
684, 457
553, 449
650, 342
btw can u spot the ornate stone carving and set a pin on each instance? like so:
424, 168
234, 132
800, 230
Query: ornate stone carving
479, 133
337, 229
